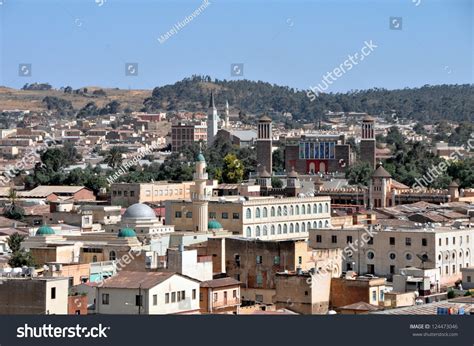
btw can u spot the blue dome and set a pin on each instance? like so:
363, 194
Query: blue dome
45, 230
126, 233
213, 224
200, 158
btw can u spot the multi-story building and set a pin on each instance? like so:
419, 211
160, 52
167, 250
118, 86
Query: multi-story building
220, 296
258, 217
151, 293
383, 251
126, 194
185, 134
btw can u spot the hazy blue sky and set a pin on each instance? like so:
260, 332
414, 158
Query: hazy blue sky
294, 43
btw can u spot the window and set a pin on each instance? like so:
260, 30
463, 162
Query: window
326, 208
53, 292
155, 299
125, 193
194, 294
265, 212
276, 260
257, 231
439, 241
249, 232
392, 256
234, 293
408, 241
319, 238
297, 210
225, 215
320, 208
285, 228
320, 224
279, 211
349, 239
235, 216
392, 269
272, 230
259, 280
392, 241
292, 228
374, 296
370, 255
173, 297
279, 229
212, 215
112, 256
132, 193
408, 257
167, 298
424, 242
272, 211
105, 298
454, 240
447, 241
382, 295
94, 259
285, 211
300, 260
259, 259
371, 241
468, 278
177, 214
334, 239
215, 297
248, 213
292, 210
315, 208
183, 295
257, 212
297, 228
265, 230
189, 215
139, 300
201, 297
454, 269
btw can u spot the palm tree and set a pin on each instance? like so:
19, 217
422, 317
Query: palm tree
114, 157
12, 196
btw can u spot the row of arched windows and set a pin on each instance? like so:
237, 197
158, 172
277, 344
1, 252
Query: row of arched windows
262, 212
292, 227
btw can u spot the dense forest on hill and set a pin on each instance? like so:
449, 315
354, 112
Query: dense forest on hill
427, 104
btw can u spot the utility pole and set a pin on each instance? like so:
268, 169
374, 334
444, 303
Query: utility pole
140, 300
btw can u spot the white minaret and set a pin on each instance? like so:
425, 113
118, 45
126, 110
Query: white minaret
200, 199
212, 119
226, 120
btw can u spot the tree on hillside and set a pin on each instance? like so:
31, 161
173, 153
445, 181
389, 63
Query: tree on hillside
115, 157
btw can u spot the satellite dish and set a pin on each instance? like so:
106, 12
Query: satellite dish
424, 258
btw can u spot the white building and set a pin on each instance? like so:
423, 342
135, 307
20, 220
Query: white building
148, 293
187, 262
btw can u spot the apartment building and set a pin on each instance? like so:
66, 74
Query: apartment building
184, 134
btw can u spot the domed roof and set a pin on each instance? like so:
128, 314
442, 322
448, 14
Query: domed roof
45, 230
214, 224
126, 233
200, 158
139, 211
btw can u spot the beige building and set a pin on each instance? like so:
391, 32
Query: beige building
467, 278
220, 296
34, 296
266, 218
126, 194
384, 251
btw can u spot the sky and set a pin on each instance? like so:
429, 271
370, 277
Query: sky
292, 43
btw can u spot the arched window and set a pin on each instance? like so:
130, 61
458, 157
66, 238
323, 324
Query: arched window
303, 210
285, 228
308, 209
249, 232
265, 230
297, 228
257, 212
320, 224
297, 210
326, 208
272, 230
320, 208
315, 208
257, 231
272, 211
326, 224
94, 258
279, 211
292, 210
292, 228
112, 256
308, 226
279, 229
248, 213
315, 225
285, 211
303, 227
265, 212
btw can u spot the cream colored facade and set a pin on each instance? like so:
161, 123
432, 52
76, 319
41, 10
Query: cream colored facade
125, 194
448, 249
266, 218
